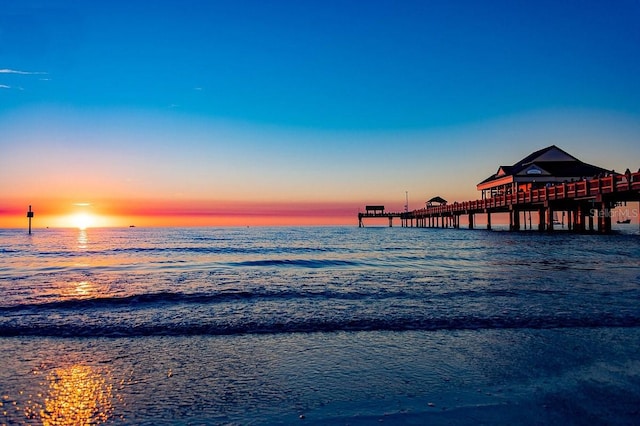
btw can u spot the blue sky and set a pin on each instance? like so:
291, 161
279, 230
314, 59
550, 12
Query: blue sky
282, 91
337, 65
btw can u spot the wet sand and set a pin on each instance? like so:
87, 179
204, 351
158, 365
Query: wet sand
464, 377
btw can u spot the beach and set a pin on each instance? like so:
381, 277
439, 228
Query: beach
585, 376
319, 326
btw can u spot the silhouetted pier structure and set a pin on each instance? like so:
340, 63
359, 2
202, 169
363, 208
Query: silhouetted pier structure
584, 202
537, 185
378, 212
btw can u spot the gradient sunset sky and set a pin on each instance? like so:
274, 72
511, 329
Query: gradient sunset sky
298, 112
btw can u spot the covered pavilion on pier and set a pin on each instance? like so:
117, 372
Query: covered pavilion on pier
543, 168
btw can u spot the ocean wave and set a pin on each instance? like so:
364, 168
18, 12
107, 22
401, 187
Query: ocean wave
313, 326
208, 250
178, 298
300, 263
169, 251
4, 250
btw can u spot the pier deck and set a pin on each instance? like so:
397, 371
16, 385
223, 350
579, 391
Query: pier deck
583, 201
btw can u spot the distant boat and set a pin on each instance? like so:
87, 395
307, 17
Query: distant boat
132, 226
624, 221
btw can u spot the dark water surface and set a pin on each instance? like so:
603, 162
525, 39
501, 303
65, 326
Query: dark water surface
338, 325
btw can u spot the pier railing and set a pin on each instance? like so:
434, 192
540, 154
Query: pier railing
587, 188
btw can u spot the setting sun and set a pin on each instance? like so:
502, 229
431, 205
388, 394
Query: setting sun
82, 220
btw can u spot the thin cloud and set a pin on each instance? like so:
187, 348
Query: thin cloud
10, 71
4, 86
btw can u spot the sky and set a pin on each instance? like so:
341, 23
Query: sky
212, 113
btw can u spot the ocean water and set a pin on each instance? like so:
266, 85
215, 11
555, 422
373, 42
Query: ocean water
333, 325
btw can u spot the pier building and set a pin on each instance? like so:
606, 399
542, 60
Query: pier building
543, 168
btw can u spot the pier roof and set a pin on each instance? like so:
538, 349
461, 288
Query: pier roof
438, 200
550, 164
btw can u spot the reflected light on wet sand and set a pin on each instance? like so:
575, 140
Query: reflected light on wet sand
77, 395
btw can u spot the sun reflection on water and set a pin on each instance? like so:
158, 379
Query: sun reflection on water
77, 395
83, 239
84, 289
75, 290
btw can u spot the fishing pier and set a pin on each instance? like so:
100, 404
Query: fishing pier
530, 188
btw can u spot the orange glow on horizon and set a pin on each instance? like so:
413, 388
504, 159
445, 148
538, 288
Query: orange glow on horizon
191, 213
177, 213
83, 216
